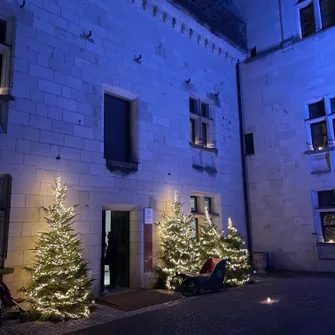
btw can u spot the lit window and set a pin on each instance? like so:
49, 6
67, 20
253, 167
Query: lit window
201, 122
194, 204
208, 204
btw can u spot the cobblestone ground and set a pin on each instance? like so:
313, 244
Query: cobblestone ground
303, 304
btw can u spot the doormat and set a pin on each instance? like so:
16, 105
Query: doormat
136, 299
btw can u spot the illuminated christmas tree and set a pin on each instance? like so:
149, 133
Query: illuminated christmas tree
231, 245
60, 287
209, 240
180, 247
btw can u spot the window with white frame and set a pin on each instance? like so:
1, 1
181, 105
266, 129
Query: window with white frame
201, 123
320, 116
315, 15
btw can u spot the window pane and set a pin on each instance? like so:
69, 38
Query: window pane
194, 205
205, 110
116, 129
204, 134
307, 20
195, 228
327, 13
249, 144
1, 60
193, 106
317, 109
2, 31
328, 226
332, 105
319, 134
208, 204
192, 130
326, 199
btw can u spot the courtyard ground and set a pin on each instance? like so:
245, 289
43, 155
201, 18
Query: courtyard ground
300, 304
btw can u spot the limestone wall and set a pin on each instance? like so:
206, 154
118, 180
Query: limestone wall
55, 124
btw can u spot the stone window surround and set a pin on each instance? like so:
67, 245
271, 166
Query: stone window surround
329, 117
199, 120
317, 14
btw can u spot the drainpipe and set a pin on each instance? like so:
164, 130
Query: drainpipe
244, 170
281, 20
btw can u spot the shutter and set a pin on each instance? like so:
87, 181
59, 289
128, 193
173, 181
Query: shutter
5, 197
116, 129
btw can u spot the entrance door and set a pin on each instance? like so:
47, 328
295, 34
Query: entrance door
118, 224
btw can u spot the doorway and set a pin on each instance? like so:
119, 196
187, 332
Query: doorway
116, 222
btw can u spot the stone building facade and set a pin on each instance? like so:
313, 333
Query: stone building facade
288, 91
65, 64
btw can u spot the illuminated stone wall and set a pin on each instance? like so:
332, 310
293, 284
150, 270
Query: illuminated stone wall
55, 123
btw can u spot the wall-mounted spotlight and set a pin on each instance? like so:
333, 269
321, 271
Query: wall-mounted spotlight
217, 94
89, 34
188, 81
138, 59
23, 4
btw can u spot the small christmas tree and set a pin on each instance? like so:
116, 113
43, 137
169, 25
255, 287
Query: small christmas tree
60, 287
232, 248
209, 240
180, 252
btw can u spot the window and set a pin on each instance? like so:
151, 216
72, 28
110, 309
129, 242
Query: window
315, 15
194, 204
320, 124
327, 214
7, 32
117, 143
5, 200
204, 134
249, 144
200, 123
208, 204
327, 8
192, 130
307, 20
195, 226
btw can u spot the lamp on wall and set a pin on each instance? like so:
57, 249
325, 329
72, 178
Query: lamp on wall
23, 4
138, 59
188, 81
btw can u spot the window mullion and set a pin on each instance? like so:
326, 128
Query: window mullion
317, 14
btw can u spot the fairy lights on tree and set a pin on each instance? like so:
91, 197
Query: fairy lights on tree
61, 286
209, 239
180, 252
232, 247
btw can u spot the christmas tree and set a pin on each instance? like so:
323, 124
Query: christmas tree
232, 248
60, 287
209, 240
180, 248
